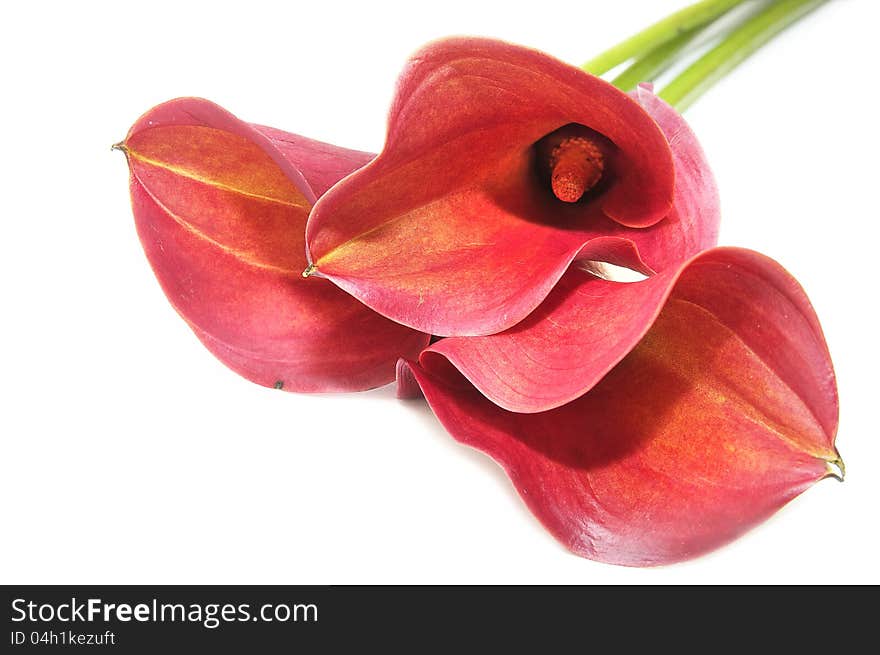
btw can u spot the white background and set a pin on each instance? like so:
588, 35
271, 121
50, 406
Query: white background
129, 455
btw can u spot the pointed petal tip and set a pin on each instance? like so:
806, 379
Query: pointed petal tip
835, 468
229, 276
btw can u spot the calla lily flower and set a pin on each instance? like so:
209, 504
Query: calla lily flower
583, 328
220, 207
723, 411
501, 166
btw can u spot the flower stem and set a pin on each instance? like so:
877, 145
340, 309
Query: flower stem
685, 20
650, 66
733, 50
655, 62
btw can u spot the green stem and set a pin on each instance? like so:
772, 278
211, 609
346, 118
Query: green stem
655, 62
733, 50
666, 30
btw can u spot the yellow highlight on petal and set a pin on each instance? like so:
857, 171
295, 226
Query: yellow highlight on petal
225, 190
217, 158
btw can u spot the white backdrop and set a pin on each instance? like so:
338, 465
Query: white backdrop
130, 455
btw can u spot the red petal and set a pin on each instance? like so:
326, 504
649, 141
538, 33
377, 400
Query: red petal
450, 230
725, 411
692, 225
586, 325
220, 207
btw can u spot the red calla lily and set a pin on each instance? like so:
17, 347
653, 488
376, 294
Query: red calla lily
502, 165
220, 206
724, 411
585, 326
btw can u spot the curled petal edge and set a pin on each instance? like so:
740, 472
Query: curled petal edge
713, 422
